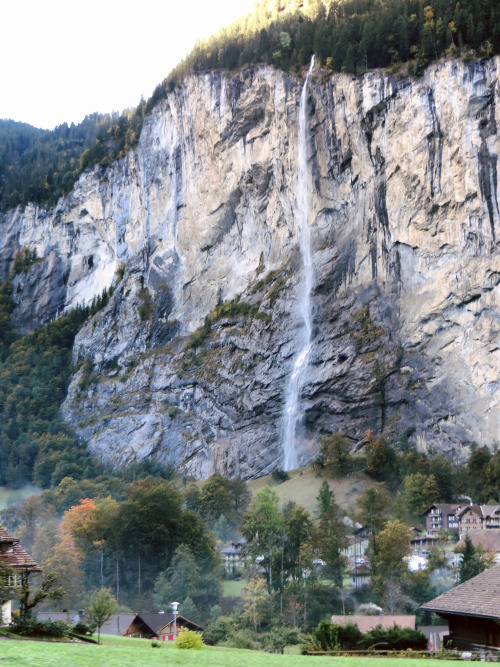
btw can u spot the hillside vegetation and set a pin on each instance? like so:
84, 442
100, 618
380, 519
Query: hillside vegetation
351, 36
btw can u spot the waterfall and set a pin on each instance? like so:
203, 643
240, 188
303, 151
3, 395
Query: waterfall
293, 413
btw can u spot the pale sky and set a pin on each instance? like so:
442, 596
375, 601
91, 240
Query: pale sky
63, 59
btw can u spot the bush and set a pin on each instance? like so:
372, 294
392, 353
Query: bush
189, 639
82, 629
240, 639
395, 638
32, 627
328, 637
280, 476
220, 630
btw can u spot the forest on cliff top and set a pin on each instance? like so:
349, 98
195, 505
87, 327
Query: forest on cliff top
351, 36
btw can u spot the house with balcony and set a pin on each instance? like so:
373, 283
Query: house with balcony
441, 516
491, 516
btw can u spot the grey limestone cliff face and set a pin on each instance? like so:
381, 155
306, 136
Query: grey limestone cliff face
405, 228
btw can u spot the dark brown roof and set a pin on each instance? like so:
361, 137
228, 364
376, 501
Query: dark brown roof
155, 622
445, 508
480, 596
360, 570
18, 557
488, 510
474, 508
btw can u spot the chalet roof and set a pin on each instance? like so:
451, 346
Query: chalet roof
446, 508
479, 597
155, 622
367, 623
488, 510
116, 625
18, 558
469, 508
191, 625
362, 570
231, 550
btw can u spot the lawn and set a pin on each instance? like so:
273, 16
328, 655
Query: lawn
304, 485
233, 589
135, 653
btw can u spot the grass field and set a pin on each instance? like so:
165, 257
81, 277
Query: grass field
136, 653
304, 485
233, 589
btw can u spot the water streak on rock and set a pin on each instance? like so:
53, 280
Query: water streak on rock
293, 412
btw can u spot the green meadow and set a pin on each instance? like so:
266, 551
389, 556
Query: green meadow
118, 652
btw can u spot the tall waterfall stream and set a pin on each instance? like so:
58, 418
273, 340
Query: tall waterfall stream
293, 413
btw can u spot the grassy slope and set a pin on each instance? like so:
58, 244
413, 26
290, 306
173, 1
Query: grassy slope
303, 487
233, 589
136, 653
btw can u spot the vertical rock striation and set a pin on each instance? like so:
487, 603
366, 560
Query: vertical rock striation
405, 227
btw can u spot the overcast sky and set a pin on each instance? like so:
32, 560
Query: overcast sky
61, 60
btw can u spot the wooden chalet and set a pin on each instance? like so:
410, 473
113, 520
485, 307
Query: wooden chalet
158, 626
472, 610
360, 576
441, 516
14, 556
461, 519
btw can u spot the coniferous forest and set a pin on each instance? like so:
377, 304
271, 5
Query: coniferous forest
348, 36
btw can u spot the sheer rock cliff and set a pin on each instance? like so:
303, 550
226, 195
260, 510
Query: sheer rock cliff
405, 228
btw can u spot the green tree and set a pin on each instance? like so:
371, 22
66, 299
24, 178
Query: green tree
180, 581
263, 527
256, 600
470, 565
215, 499
391, 546
48, 588
380, 457
330, 534
297, 531
373, 507
100, 609
335, 454
420, 492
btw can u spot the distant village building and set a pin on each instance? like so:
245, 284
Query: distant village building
158, 626
360, 576
116, 625
472, 610
233, 557
14, 556
424, 542
357, 544
461, 518
441, 516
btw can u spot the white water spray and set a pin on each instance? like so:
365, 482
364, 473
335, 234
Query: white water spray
293, 413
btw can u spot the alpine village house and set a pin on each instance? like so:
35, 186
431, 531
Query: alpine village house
14, 557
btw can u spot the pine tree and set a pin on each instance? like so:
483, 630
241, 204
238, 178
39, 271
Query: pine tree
470, 565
